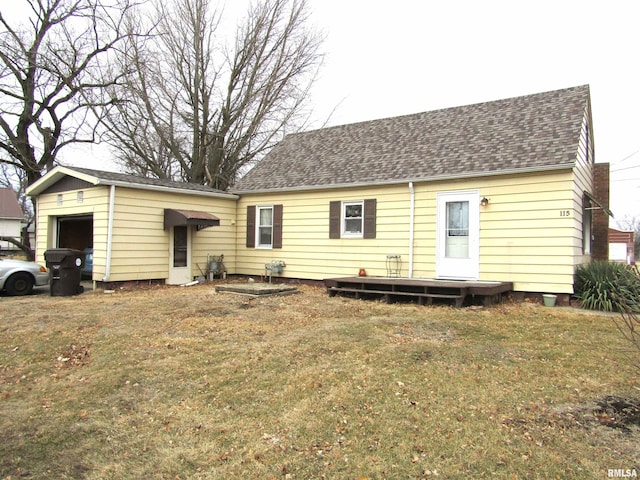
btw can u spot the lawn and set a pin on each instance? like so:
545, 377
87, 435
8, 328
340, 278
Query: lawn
184, 383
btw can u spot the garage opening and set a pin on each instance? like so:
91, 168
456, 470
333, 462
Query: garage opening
75, 232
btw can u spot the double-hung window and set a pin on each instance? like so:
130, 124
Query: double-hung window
264, 232
264, 226
352, 219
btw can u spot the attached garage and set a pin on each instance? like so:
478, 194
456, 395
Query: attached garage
140, 229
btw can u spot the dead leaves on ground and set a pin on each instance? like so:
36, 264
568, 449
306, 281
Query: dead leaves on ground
73, 356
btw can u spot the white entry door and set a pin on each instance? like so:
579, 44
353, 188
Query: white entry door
179, 255
458, 235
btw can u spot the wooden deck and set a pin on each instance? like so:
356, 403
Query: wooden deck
424, 290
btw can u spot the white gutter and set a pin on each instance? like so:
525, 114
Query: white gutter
412, 212
112, 201
53, 176
162, 188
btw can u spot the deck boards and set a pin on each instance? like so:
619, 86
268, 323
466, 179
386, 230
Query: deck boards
423, 290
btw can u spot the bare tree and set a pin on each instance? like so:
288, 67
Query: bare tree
54, 69
202, 111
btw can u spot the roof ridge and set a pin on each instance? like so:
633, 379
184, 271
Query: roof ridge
444, 109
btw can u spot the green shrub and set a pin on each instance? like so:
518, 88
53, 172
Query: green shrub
608, 287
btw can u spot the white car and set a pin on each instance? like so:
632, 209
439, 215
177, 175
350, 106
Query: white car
18, 277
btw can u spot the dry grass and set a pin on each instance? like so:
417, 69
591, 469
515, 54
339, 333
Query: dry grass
185, 383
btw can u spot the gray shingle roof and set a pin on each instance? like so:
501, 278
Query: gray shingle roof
523, 133
122, 178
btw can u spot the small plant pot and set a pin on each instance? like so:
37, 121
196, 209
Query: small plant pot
549, 300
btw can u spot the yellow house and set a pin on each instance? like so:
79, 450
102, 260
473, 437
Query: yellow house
139, 229
503, 191
498, 191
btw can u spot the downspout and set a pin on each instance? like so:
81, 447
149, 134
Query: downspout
112, 201
412, 212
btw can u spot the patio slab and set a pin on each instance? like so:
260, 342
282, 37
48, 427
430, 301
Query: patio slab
257, 289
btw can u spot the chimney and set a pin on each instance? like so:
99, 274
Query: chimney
600, 225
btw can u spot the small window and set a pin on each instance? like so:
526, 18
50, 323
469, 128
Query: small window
264, 232
264, 226
352, 218
80, 196
59, 199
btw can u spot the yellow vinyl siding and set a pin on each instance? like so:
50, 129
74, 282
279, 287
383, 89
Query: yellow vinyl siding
583, 181
526, 232
525, 236
307, 249
140, 245
93, 203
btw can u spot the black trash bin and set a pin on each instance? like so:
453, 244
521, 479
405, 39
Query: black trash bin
65, 265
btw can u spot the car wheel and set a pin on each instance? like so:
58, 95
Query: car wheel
19, 284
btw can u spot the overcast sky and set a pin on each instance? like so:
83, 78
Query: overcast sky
388, 58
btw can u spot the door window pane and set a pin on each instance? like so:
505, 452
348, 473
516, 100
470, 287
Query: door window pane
458, 219
457, 238
179, 246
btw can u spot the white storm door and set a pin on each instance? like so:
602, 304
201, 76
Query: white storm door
458, 235
179, 255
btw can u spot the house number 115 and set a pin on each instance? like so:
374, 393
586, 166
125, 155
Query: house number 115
565, 213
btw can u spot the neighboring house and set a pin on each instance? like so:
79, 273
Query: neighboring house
11, 217
139, 229
621, 246
499, 191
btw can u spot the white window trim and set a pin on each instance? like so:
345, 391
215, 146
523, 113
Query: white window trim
259, 208
343, 219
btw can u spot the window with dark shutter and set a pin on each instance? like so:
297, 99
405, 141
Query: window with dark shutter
369, 218
277, 226
335, 209
251, 226
352, 219
264, 226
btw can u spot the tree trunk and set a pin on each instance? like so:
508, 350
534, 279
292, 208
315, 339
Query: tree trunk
25, 248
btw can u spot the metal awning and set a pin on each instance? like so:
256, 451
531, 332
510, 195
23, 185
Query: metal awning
173, 218
594, 200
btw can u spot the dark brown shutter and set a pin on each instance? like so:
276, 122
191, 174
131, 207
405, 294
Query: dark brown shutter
251, 226
277, 226
369, 218
334, 219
